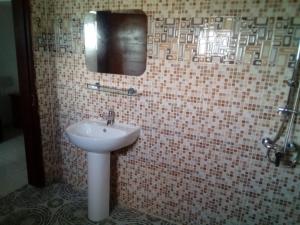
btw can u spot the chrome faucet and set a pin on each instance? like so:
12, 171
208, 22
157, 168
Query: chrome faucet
111, 117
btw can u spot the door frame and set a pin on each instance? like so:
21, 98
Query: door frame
29, 106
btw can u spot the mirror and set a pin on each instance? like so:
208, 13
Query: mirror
116, 42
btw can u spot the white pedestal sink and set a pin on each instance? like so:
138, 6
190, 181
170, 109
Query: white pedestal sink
98, 139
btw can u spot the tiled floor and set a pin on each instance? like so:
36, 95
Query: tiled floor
13, 174
59, 204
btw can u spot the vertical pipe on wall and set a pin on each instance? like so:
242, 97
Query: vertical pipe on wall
295, 105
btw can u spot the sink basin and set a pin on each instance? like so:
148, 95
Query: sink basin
96, 136
98, 139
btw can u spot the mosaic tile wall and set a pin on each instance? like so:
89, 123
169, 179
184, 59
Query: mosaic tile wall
215, 76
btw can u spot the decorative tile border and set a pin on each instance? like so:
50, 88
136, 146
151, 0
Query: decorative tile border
227, 40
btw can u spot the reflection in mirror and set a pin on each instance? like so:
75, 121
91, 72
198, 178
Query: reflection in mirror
116, 42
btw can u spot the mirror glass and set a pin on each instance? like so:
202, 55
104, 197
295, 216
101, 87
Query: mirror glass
116, 42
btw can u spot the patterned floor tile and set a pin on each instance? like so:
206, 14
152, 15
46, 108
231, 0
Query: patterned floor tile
60, 204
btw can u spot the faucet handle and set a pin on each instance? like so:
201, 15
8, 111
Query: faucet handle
111, 112
108, 115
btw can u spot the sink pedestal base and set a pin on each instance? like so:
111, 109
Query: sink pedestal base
98, 185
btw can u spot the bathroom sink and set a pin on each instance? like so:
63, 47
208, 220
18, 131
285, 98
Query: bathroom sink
95, 136
99, 139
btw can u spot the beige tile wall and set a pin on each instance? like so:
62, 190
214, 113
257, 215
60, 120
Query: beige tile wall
199, 159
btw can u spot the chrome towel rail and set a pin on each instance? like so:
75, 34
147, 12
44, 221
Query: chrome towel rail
120, 91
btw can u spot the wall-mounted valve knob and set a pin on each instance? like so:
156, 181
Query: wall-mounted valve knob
268, 143
286, 110
291, 82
